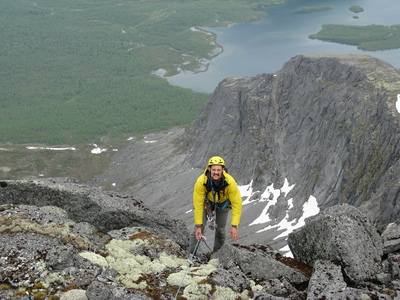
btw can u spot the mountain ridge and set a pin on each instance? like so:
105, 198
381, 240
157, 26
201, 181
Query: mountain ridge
326, 124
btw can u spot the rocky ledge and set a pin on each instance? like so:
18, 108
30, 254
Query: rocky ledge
62, 240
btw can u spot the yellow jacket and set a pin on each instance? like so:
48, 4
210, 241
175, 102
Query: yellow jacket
230, 192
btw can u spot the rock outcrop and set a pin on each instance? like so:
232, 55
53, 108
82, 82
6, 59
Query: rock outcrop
106, 211
48, 251
336, 234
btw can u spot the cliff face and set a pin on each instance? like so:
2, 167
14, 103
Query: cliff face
323, 130
327, 123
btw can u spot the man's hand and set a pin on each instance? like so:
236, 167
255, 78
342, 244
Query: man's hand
199, 234
234, 234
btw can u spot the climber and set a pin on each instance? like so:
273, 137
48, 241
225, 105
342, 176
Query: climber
215, 193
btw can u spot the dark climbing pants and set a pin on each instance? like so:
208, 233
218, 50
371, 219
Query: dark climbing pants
221, 219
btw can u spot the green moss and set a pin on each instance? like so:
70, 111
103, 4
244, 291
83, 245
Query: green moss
20, 293
39, 295
38, 285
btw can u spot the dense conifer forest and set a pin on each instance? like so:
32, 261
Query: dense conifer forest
81, 72
73, 70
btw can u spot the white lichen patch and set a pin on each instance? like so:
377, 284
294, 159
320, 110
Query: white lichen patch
133, 270
255, 287
214, 262
224, 293
171, 261
132, 281
201, 291
198, 291
193, 274
51, 278
74, 294
131, 267
95, 259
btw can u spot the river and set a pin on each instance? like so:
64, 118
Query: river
265, 45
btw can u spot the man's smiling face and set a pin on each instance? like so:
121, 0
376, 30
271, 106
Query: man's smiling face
216, 172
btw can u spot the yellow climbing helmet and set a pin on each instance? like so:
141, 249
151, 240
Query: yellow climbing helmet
216, 160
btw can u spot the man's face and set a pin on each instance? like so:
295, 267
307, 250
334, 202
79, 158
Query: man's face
216, 172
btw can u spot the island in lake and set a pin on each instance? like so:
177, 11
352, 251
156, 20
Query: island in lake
368, 37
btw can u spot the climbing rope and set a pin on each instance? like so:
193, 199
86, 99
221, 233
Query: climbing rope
190, 262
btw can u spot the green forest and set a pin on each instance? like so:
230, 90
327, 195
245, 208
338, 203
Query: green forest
368, 37
81, 72
75, 70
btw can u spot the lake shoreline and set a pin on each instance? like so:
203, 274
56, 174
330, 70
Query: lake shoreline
263, 46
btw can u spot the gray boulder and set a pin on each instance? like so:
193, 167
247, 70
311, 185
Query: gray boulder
327, 282
340, 233
258, 263
234, 278
275, 289
327, 279
391, 238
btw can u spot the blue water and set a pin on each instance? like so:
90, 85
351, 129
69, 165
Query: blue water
265, 45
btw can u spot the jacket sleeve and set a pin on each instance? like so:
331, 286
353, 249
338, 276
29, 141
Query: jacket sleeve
198, 200
236, 201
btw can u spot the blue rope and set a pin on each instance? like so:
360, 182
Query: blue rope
187, 269
207, 246
213, 192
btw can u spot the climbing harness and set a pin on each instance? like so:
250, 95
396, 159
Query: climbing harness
211, 208
192, 255
210, 215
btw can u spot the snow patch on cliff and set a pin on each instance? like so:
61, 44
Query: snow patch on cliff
271, 195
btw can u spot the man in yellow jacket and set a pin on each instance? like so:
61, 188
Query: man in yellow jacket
215, 192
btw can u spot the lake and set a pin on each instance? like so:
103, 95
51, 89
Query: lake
265, 45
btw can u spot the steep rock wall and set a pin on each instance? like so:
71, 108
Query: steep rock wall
327, 123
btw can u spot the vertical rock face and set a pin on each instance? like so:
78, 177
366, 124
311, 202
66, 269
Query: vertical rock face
327, 123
